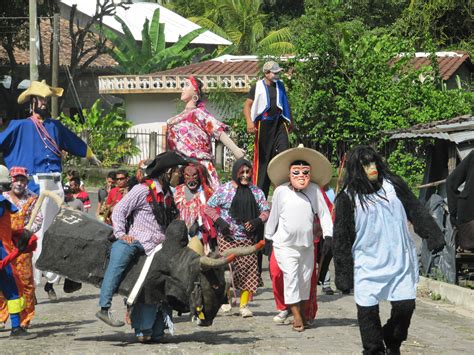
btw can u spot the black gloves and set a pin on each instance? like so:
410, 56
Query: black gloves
256, 223
223, 226
436, 247
327, 246
23, 240
194, 229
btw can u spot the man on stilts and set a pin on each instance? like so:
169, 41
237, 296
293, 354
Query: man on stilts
37, 143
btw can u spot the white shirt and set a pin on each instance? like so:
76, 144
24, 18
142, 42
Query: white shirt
292, 215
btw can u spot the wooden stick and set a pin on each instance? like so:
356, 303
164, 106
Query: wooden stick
431, 184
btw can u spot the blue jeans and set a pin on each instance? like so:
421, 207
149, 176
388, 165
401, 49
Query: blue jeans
149, 320
121, 254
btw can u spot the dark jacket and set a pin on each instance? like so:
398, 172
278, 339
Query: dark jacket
461, 204
344, 230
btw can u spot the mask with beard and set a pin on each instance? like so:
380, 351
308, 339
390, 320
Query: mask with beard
41, 111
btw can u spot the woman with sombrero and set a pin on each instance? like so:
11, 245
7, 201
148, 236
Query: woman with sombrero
296, 202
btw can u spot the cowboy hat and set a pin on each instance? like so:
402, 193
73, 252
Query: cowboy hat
163, 162
41, 89
279, 166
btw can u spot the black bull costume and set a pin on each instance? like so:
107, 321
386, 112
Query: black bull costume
77, 246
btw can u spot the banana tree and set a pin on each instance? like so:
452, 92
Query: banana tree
151, 54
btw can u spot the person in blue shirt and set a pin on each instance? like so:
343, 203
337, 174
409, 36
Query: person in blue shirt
37, 143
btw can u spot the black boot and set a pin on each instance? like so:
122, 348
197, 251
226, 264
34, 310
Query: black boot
396, 330
71, 286
370, 330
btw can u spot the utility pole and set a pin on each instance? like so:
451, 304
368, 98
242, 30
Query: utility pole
55, 64
33, 41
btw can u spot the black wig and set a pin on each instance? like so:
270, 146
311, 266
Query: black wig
356, 182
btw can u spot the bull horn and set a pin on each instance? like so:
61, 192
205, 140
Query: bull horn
55, 197
242, 251
214, 263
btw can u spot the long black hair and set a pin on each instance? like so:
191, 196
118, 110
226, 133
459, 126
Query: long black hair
356, 182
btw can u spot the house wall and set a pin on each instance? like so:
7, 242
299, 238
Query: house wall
464, 73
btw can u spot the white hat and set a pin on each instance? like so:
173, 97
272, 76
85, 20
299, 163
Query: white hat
279, 166
4, 175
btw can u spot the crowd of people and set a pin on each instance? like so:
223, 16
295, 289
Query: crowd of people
367, 230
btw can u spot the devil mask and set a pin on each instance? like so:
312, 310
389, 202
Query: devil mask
192, 178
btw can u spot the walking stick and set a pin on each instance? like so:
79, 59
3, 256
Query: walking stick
322, 266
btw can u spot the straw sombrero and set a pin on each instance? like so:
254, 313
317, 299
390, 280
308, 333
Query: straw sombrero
279, 166
41, 89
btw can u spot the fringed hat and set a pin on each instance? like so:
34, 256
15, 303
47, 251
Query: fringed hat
279, 166
39, 88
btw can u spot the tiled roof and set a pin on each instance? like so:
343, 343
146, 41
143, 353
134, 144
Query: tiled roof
214, 67
22, 55
448, 62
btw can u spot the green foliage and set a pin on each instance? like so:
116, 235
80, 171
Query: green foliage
151, 54
243, 23
351, 90
104, 134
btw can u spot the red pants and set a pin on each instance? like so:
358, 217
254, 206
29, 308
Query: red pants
277, 284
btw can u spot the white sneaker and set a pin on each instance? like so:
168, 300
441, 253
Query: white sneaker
245, 312
280, 318
226, 308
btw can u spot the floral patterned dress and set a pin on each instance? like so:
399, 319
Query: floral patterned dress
245, 268
190, 134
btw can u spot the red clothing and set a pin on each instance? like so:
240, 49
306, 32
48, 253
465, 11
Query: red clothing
276, 276
115, 195
84, 197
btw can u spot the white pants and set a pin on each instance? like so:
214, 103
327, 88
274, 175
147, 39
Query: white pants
297, 264
49, 209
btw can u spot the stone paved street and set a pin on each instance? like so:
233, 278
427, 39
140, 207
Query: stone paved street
69, 326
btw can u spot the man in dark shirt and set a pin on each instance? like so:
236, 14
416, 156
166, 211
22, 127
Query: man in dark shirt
268, 117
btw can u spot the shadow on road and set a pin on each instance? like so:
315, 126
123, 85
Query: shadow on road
210, 337
334, 322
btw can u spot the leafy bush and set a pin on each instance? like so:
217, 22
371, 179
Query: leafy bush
105, 133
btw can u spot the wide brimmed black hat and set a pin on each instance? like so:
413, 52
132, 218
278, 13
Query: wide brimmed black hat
163, 162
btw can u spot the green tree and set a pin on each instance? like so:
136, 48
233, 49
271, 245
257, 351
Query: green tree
105, 134
151, 54
243, 23
346, 89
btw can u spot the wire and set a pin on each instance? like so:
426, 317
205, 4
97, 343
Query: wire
75, 95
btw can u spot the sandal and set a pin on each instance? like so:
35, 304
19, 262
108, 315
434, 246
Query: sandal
298, 328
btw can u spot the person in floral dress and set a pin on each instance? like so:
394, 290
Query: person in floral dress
239, 210
191, 132
25, 201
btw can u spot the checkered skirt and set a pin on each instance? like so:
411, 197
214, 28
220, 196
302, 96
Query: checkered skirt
244, 268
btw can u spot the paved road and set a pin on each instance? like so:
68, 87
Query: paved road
69, 326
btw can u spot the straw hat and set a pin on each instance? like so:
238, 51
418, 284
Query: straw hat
41, 89
279, 166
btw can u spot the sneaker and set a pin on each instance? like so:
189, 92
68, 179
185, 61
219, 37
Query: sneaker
226, 308
21, 334
280, 318
48, 288
144, 338
52, 295
105, 315
245, 312
328, 291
